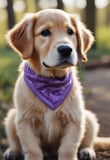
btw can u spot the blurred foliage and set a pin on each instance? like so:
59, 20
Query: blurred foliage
103, 36
98, 53
8, 73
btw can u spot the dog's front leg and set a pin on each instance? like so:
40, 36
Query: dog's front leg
30, 143
70, 143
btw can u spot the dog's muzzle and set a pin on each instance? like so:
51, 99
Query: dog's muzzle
66, 57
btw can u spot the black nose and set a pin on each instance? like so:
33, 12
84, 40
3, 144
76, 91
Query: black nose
64, 51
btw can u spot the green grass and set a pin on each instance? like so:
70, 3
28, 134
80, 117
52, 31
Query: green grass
102, 43
8, 73
98, 53
103, 37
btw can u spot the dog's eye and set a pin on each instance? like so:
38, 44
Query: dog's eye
70, 31
46, 33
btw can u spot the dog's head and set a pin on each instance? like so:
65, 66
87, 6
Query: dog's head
52, 38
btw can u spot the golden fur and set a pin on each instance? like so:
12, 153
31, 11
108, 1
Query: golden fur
31, 126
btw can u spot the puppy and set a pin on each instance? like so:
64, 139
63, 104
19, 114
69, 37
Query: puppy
49, 115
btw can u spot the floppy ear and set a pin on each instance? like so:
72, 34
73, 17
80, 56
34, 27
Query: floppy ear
20, 38
85, 38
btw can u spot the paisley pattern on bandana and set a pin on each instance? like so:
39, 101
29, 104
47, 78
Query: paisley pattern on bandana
51, 91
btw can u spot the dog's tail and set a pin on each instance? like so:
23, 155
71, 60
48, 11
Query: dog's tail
102, 143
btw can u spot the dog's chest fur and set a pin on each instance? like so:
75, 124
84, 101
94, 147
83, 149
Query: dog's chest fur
46, 124
51, 126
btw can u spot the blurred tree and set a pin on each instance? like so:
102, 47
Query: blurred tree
37, 5
60, 4
10, 13
90, 16
108, 14
26, 7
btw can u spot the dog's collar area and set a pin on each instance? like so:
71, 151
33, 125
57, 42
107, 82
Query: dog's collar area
51, 91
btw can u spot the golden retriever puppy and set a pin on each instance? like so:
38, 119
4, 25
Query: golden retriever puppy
49, 115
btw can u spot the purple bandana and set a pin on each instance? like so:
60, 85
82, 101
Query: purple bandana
51, 91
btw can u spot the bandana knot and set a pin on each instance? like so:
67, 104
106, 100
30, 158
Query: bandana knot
51, 91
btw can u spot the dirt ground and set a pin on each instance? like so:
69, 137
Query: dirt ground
97, 87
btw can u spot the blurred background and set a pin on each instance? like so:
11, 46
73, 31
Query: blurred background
96, 15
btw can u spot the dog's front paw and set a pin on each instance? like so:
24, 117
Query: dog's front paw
86, 154
12, 155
